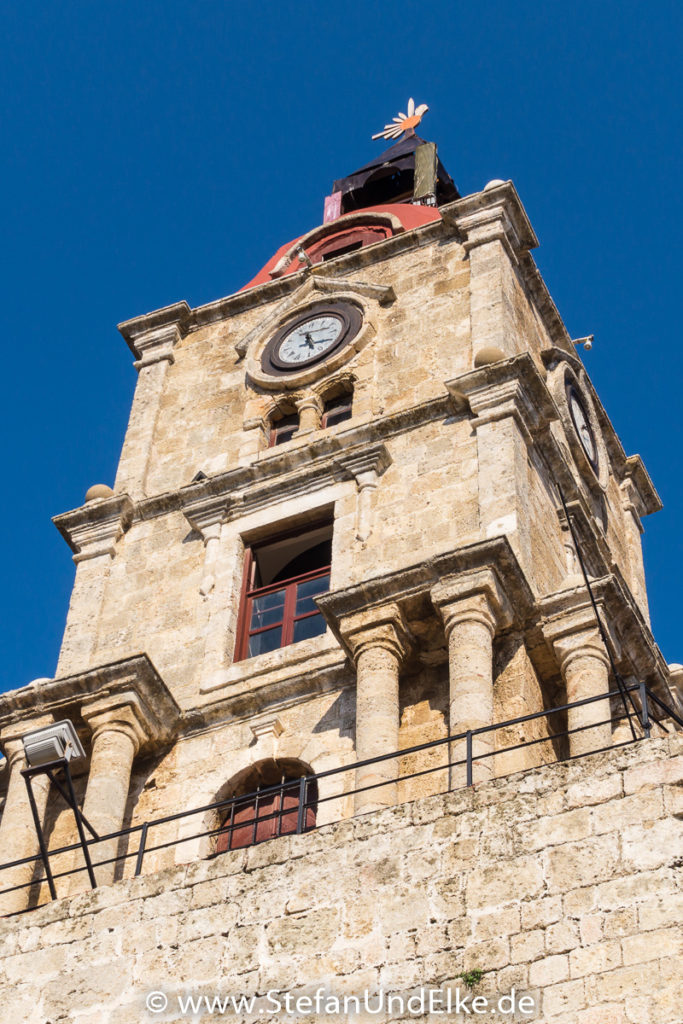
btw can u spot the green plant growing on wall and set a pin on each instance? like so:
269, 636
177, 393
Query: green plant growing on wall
473, 977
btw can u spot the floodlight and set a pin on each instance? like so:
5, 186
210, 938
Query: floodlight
52, 743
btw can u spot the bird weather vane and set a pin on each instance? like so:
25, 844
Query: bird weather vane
404, 122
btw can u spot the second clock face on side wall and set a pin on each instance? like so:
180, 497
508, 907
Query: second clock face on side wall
311, 337
582, 425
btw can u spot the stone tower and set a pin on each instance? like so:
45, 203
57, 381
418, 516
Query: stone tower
350, 518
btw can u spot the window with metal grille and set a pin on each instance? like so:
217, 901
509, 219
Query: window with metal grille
282, 578
269, 812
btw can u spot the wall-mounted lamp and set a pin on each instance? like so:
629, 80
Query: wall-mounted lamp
587, 342
52, 743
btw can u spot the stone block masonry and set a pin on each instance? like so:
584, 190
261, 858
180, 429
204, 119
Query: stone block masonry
561, 882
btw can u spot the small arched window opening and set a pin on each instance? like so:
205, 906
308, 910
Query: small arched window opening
283, 426
273, 798
342, 242
337, 407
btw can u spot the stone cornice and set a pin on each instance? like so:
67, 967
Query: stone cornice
511, 387
633, 645
493, 214
502, 196
160, 329
328, 459
94, 528
131, 680
408, 587
266, 683
636, 473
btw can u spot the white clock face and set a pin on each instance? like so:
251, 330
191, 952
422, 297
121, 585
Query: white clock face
583, 428
310, 339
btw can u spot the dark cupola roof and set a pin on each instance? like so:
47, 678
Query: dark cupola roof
389, 178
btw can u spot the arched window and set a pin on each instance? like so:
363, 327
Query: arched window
337, 407
284, 424
273, 798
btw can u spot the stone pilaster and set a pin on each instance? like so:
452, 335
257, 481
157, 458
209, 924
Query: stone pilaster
495, 232
473, 607
208, 516
92, 532
152, 340
378, 640
510, 405
575, 639
633, 530
366, 468
18, 837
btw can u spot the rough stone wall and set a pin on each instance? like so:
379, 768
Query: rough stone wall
205, 400
563, 882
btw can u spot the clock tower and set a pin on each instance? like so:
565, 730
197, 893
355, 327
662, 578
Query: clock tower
373, 548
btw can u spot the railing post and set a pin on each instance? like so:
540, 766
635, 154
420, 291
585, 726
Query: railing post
141, 849
303, 797
644, 714
468, 741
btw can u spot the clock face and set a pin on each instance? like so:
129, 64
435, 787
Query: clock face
582, 426
311, 337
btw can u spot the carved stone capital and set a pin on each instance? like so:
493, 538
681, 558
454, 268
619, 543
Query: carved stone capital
571, 629
365, 466
206, 515
476, 596
94, 529
510, 388
384, 628
263, 728
105, 688
122, 713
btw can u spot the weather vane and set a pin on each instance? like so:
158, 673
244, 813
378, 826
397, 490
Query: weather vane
404, 122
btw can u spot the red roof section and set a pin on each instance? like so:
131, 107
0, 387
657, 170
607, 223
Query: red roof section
409, 215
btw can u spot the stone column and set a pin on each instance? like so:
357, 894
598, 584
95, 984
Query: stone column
585, 669
310, 409
473, 607
18, 836
117, 735
378, 642
585, 666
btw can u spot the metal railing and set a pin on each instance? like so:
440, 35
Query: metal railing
312, 791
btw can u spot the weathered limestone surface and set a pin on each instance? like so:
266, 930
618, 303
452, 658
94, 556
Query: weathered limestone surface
450, 474
563, 882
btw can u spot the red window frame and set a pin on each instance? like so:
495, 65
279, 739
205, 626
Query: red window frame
255, 818
283, 430
289, 616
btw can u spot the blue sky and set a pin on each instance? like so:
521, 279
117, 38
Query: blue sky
161, 151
